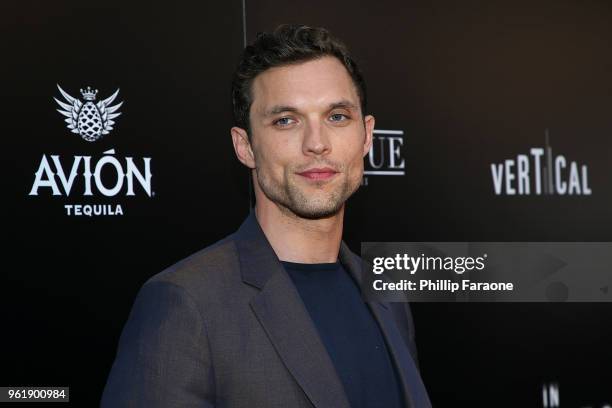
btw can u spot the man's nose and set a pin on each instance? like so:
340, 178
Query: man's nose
316, 139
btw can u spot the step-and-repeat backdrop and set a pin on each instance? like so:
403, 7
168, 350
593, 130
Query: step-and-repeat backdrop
493, 124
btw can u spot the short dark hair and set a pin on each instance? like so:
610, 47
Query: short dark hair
287, 44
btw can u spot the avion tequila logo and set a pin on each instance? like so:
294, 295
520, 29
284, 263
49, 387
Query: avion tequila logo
88, 118
87, 175
540, 172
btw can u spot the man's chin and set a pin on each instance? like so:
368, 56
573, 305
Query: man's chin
314, 212
319, 214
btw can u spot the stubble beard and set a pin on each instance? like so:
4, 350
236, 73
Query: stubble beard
291, 198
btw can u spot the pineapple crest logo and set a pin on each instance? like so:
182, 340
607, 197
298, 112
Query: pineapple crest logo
87, 118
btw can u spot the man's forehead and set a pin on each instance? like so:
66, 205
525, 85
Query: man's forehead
323, 83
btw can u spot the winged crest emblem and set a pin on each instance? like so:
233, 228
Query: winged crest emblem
88, 118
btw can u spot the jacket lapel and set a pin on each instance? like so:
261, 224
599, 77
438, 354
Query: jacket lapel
281, 312
412, 385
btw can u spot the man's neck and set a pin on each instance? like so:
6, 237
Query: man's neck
300, 240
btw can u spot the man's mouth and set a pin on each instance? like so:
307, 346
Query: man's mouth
322, 173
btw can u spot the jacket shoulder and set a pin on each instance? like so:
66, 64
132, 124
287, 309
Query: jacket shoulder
206, 271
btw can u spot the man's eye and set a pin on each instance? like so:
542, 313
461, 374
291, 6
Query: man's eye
338, 117
283, 122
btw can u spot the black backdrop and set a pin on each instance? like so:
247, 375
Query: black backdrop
468, 83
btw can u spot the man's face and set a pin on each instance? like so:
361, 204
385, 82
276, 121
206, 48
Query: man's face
308, 136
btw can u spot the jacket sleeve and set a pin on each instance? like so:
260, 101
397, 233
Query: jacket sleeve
163, 358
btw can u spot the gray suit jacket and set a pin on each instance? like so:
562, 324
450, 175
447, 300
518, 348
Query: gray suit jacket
226, 327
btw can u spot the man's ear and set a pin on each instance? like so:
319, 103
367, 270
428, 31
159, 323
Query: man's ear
369, 130
242, 147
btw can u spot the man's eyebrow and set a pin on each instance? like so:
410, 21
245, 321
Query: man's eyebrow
276, 109
346, 104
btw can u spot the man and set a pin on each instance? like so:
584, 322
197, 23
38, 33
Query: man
272, 315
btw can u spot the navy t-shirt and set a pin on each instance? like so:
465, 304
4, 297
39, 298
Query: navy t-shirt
350, 334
